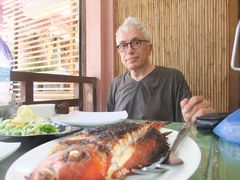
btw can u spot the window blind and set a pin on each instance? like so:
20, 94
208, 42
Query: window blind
44, 37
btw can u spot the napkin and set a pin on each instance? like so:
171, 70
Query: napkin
229, 128
83, 118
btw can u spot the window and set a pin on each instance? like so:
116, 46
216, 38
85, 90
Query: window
43, 36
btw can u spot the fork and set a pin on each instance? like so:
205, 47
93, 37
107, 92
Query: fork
172, 158
151, 168
144, 171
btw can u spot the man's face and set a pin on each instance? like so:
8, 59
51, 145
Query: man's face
134, 59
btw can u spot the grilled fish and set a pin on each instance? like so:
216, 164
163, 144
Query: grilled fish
107, 152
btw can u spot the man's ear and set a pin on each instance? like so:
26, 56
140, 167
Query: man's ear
119, 53
150, 49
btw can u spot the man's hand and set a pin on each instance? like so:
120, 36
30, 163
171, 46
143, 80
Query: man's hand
194, 107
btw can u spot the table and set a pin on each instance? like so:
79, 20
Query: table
220, 159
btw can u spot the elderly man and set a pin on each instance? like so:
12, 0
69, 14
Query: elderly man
147, 91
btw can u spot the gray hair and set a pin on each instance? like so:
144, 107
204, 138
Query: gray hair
133, 21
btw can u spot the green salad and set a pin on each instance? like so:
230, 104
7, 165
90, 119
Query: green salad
29, 127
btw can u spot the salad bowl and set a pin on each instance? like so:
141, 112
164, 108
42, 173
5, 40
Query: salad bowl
37, 139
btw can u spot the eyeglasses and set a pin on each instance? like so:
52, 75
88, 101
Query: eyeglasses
135, 44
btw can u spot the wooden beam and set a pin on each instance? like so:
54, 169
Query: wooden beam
234, 77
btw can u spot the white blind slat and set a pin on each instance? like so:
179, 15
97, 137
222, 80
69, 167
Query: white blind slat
43, 37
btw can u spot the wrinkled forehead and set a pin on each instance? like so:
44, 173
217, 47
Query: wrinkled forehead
128, 33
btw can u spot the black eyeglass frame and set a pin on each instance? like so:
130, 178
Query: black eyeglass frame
131, 44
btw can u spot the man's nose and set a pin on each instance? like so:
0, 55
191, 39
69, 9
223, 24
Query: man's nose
130, 49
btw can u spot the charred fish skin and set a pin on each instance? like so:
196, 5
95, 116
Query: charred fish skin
139, 148
107, 152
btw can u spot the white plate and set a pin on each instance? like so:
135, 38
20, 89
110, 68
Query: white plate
6, 149
188, 150
81, 118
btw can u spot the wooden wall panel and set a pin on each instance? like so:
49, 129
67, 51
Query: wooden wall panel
190, 35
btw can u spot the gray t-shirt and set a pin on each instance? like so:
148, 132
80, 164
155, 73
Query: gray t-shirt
156, 97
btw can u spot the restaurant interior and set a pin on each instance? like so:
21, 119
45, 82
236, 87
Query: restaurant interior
64, 53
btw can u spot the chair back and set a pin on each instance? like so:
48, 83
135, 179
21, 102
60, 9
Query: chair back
27, 80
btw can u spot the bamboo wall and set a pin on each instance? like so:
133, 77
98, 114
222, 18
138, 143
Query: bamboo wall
190, 35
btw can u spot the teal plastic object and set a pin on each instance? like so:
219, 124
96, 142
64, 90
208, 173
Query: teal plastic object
229, 128
230, 152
